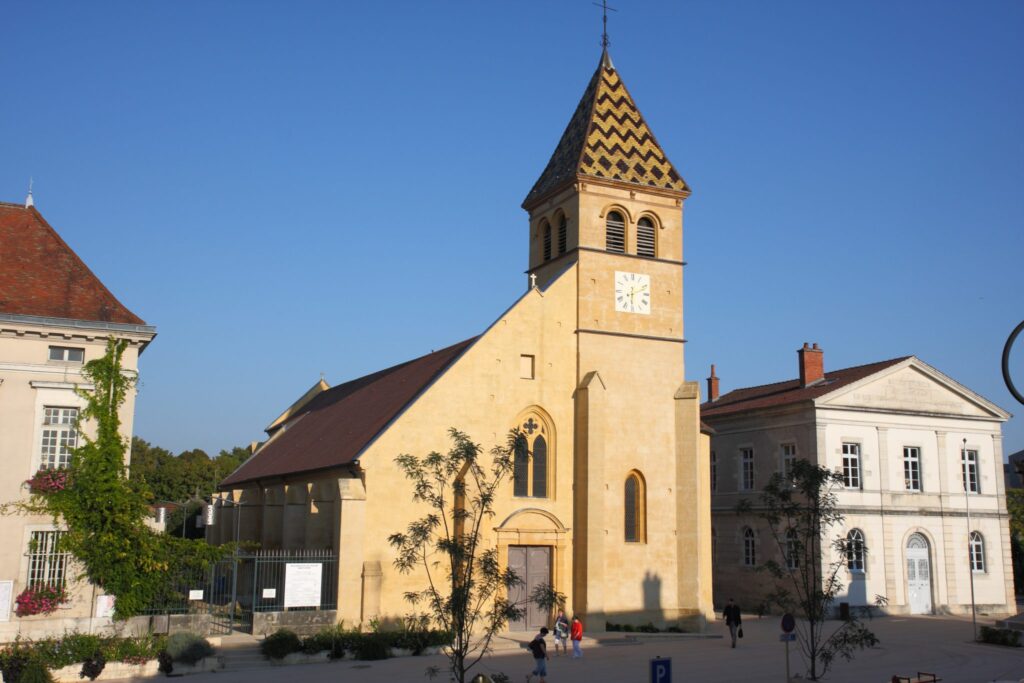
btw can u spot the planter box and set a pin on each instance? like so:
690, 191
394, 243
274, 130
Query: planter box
301, 658
112, 671
204, 665
118, 670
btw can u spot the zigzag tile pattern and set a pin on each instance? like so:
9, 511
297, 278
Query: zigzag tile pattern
607, 138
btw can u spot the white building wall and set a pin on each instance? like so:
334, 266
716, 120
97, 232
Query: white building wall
882, 508
30, 382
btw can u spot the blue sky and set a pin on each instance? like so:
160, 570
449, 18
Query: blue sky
286, 189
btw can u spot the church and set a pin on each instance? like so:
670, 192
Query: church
611, 505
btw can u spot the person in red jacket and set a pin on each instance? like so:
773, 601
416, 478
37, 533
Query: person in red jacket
576, 634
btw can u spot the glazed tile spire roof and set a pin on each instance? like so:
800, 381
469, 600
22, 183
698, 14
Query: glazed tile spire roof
607, 138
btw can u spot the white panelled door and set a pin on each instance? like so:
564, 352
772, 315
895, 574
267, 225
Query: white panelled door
919, 575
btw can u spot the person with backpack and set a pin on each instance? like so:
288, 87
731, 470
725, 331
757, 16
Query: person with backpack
539, 649
576, 634
561, 632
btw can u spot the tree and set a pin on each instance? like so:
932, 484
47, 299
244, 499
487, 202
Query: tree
466, 592
799, 510
1015, 508
104, 513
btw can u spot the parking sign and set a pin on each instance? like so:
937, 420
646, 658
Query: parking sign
661, 670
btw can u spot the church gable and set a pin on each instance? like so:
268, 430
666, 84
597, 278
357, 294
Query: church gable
914, 387
521, 367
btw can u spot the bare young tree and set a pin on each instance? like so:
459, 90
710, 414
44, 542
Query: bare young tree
467, 589
800, 509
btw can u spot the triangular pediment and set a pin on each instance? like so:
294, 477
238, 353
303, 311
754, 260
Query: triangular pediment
913, 387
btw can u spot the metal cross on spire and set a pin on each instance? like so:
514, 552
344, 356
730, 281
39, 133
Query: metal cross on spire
604, 21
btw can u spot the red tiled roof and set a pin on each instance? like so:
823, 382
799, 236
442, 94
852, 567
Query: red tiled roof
334, 427
41, 275
790, 391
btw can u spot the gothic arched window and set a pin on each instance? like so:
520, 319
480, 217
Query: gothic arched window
855, 551
563, 227
645, 237
615, 233
540, 468
521, 469
635, 517
546, 233
532, 461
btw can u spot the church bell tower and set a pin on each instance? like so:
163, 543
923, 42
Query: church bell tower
609, 205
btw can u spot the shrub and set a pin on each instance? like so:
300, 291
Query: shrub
35, 671
280, 644
71, 648
370, 646
1000, 636
13, 661
134, 650
648, 628
93, 666
188, 648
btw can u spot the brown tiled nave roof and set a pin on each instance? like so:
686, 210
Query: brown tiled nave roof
607, 138
41, 275
337, 424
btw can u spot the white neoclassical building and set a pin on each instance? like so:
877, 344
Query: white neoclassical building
923, 491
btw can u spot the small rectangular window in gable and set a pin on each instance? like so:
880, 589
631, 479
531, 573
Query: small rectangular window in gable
527, 366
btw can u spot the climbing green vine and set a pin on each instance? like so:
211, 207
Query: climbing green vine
104, 513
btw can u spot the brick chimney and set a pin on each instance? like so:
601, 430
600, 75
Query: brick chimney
712, 385
812, 364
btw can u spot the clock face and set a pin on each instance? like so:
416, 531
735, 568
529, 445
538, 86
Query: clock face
632, 292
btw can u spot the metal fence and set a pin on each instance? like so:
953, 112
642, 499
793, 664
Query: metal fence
225, 597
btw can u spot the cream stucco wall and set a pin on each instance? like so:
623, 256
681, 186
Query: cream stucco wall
880, 416
29, 382
609, 388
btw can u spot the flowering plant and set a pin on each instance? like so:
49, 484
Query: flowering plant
48, 480
39, 600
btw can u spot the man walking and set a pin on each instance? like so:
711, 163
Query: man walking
561, 632
731, 614
539, 650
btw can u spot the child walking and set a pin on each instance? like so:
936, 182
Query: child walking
576, 634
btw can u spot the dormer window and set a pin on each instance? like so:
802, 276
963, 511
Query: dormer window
546, 232
645, 238
67, 354
615, 235
563, 227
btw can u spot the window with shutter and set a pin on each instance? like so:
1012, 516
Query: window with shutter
615, 234
645, 238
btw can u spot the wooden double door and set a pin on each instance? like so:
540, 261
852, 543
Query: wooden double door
532, 563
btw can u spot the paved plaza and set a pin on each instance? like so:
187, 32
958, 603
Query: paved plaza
935, 644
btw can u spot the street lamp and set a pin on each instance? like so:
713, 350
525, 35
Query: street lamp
965, 468
220, 502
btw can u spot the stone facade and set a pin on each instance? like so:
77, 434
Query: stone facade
604, 387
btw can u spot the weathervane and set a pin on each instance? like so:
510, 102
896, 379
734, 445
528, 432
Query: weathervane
604, 21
